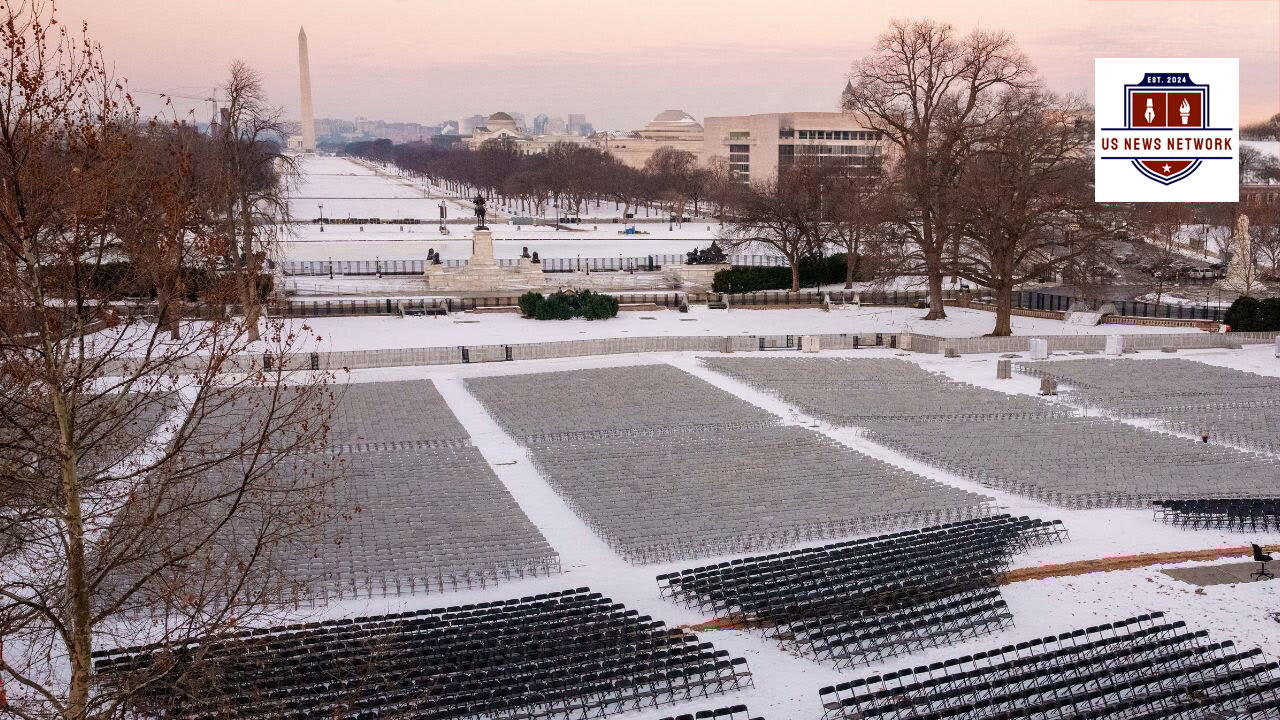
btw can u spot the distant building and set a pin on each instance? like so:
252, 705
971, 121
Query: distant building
555, 126
758, 146
468, 124
576, 121
669, 128
502, 126
1259, 194
540, 124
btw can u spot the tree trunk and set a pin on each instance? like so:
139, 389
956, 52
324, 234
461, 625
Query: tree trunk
849, 265
795, 275
249, 278
933, 250
933, 267
78, 630
167, 312
1004, 312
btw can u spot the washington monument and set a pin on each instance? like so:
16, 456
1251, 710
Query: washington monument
308, 115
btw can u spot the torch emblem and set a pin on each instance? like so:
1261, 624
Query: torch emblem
1184, 110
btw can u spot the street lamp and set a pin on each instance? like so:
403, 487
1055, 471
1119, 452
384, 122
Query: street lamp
321, 205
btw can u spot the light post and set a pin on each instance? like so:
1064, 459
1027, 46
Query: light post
321, 206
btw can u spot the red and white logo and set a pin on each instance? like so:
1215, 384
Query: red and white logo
1167, 130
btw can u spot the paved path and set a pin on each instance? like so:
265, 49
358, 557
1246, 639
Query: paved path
1228, 574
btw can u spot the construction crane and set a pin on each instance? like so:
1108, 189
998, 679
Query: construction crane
212, 99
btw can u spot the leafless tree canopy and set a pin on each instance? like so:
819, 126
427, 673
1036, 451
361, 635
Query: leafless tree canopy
1024, 198
255, 173
933, 95
565, 177
791, 215
130, 505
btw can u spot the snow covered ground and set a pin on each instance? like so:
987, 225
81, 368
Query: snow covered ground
1267, 147
348, 242
348, 188
787, 686
372, 332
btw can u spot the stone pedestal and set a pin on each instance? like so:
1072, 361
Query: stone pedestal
1039, 348
482, 249
482, 273
699, 275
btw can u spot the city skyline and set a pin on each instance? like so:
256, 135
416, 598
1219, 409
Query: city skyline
617, 66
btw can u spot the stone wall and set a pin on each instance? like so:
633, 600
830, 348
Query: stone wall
403, 357
1078, 343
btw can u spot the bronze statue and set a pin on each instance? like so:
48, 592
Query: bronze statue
479, 203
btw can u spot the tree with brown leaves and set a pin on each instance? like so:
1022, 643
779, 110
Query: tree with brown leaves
146, 490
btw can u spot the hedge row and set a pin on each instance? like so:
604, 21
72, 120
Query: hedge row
813, 271
567, 305
1249, 314
121, 280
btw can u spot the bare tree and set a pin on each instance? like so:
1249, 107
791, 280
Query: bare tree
790, 215
1264, 223
676, 173
144, 492
931, 95
722, 188
862, 204
1162, 225
1025, 198
256, 173
1258, 167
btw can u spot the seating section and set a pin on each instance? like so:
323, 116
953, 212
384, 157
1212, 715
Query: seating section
1239, 514
355, 414
1133, 386
736, 712
1001, 441
571, 654
397, 501
1146, 668
858, 602
1233, 406
1081, 462
658, 398
421, 519
666, 467
856, 391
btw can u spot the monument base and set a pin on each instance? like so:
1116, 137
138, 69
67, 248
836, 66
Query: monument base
482, 271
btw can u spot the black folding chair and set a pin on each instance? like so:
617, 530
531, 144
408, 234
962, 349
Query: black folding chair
1262, 571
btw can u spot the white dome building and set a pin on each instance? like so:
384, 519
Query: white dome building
669, 128
501, 122
673, 125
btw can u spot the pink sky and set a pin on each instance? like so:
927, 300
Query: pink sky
622, 62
